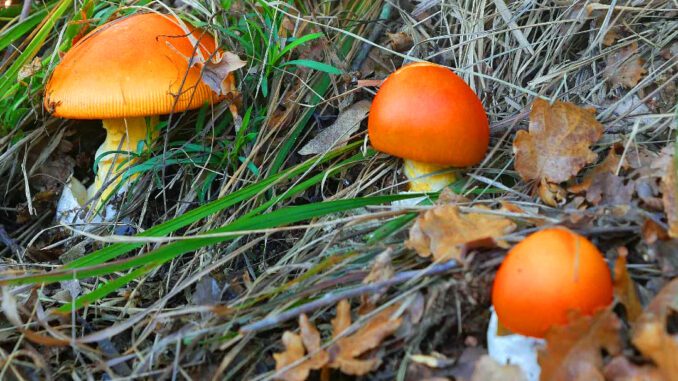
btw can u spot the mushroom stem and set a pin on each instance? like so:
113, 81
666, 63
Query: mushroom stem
426, 177
122, 135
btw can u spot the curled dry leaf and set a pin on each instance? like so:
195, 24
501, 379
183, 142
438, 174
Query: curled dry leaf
488, 369
624, 67
216, 72
573, 351
400, 41
345, 353
551, 194
609, 165
296, 347
557, 145
651, 335
624, 288
446, 233
338, 133
382, 269
30, 68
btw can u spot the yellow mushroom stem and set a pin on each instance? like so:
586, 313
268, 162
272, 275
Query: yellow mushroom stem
122, 135
426, 177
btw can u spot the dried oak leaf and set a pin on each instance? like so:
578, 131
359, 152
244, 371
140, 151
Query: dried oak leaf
610, 189
296, 347
216, 72
669, 188
557, 144
624, 67
488, 369
651, 335
624, 287
345, 353
446, 233
609, 165
573, 351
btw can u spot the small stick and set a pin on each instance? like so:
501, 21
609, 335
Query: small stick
9, 242
374, 36
334, 297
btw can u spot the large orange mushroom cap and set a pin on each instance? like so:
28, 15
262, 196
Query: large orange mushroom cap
425, 112
131, 67
547, 275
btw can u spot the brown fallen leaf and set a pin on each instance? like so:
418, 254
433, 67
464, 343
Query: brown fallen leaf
651, 335
611, 36
400, 41
551, 194
487, 369
345, 353
669, 188
382, 269
609, 189
624, 287
573, 351
653, 232
608, 165
624, 67
557, 145
446, 233
217, 72
338, 133
296, 347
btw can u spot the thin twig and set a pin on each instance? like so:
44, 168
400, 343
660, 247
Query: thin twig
9, 242
376, 33
334, 297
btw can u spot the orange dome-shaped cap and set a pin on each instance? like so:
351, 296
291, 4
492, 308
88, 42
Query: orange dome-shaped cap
545, 276
133, 66
425, 112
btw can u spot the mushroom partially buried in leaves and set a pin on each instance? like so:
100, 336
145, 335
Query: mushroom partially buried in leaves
427, 115
129, 71
546, 276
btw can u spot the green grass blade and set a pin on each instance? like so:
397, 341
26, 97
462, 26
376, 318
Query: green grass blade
8, 79
104, 290
299, 41
315, 65
320, 86
163, 254
115, 250
15, 32
277, 218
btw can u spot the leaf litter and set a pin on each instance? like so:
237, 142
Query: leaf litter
614, 58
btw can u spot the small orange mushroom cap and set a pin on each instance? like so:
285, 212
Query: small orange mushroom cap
547, 275
425, 112
131, 67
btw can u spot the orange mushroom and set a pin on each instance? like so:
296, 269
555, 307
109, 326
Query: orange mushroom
547, 275
427, 115
126, 70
